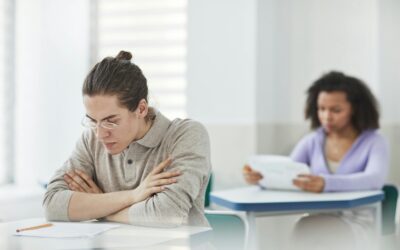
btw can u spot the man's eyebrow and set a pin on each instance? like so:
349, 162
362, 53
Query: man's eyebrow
105, 118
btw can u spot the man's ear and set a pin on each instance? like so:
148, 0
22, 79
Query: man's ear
142, 109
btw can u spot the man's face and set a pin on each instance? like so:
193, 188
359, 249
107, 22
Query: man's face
105, 110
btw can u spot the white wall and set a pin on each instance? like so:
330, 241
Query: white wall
389, 60
52, 60
221, 75
297, 41
250, 63
221, 59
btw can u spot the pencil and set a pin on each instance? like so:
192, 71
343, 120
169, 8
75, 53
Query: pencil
35, 227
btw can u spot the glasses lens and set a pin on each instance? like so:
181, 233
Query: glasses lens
88, 123
108, 125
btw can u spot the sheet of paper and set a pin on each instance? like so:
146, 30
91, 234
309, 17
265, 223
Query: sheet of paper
124, 236
278, 171
69, 230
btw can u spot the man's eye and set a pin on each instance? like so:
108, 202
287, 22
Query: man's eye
113, 121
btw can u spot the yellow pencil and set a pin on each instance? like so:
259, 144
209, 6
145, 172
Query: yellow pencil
35, 227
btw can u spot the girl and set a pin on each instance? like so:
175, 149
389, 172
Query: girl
345, 152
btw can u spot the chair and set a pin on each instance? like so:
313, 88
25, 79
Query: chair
230, 229
389, 209
208, 191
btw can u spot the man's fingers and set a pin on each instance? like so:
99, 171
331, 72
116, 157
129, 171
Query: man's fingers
166, 175
83, 175
75, 187
163, 182
67, 178
81, 182
72, 183
86, 178
160, 167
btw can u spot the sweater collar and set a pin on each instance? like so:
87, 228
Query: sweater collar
156, 133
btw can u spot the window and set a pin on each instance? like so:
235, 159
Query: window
154, 31
6, 90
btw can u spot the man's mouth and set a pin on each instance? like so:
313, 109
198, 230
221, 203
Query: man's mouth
109, 145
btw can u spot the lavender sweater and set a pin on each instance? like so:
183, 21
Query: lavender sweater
364, 166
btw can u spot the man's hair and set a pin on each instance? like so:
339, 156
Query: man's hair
117, 76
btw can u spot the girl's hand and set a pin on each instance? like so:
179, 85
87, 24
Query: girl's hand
310, 183
252, 177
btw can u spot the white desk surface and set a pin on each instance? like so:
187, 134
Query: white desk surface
250, 198
125, 237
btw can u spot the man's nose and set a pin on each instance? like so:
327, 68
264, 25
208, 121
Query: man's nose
101, 132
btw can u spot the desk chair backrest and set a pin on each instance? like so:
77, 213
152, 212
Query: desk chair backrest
208, 191
389, 209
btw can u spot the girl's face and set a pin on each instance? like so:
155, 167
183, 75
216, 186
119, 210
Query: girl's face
103, 111
334, 111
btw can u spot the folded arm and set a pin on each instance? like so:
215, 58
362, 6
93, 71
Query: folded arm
73, 195
85, 205
63, 204
171, 207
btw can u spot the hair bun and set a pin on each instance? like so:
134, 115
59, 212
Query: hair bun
124, 55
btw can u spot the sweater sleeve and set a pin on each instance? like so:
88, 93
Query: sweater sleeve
190, 150
58, 194
373, 177
301, 152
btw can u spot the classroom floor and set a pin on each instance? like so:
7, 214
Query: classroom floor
391, 242
277, 233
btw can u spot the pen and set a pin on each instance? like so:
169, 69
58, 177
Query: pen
33, 228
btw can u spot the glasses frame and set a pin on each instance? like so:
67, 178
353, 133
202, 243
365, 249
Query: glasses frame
88, 123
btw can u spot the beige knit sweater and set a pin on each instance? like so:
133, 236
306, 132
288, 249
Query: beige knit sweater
186, 141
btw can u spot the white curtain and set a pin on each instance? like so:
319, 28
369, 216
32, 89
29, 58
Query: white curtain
155, 32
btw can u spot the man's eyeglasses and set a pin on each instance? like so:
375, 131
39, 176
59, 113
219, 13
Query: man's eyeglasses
89, 123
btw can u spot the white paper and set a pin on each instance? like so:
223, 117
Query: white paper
69, 230
278, 171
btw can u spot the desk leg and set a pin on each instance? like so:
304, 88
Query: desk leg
378, 218
252, 234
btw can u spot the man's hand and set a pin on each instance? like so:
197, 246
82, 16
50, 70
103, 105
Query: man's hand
156, 181
310, 183
79, 181
251, 176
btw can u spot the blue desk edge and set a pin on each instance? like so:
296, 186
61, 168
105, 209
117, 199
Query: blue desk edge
290, 206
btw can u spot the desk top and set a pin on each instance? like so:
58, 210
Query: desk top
124, 237
256, 199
